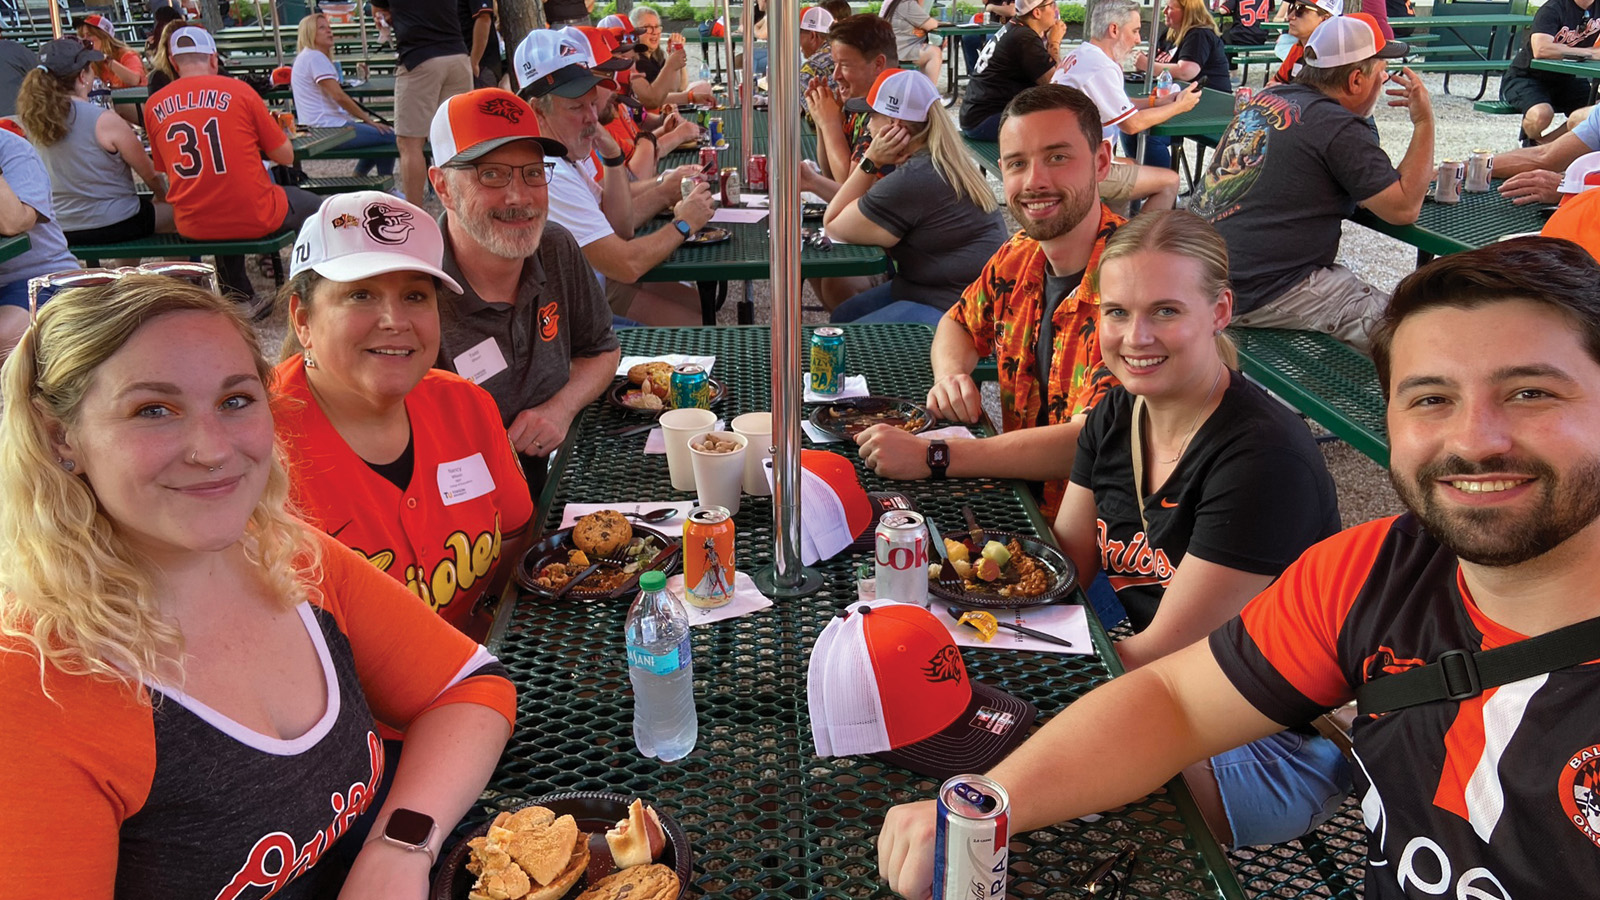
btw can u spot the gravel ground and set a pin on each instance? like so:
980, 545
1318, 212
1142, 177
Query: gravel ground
1364, 490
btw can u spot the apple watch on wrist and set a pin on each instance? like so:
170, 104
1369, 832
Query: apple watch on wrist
938, 459
872, 168
411, 830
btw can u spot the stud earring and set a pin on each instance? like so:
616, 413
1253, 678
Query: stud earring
67, 464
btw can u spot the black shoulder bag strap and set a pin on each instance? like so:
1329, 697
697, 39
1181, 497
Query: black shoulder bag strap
1460, 674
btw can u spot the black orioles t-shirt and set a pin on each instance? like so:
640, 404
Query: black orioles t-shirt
1251, 493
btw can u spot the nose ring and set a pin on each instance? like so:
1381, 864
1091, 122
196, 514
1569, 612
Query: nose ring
195, 458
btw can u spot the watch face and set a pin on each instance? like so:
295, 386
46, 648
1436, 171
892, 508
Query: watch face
409, 827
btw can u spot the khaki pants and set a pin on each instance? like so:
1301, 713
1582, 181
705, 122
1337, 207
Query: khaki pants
1332, 300
420, 91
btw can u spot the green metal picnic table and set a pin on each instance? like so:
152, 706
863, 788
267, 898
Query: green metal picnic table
952, 56
1493, 21
766, 817
317, 141
1478, 220
1582, 68
12, 246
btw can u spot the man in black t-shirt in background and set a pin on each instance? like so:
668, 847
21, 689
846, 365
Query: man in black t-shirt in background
434, 67
1023, 53
1247, 21
1561, 29
483, 44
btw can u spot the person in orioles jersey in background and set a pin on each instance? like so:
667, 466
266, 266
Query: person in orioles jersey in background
402, 462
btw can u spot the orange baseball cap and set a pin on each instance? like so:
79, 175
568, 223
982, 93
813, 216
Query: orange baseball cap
282, 75
1578, 220
603, 47
469, 125
886, 678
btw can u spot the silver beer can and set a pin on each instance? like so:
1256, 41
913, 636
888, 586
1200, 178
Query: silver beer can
1480, 168
970, 841
1447, 185
901, 557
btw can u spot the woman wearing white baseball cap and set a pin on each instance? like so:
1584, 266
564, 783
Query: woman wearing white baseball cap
917, 194
408, 463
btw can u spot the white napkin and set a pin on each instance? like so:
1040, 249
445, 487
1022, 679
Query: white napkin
656, 442
854, 386
947, 432
673, 359
729, 215
817, 435
1067, 621
746, 600
575, 511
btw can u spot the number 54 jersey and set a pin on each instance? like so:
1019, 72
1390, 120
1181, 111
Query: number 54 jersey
208, 133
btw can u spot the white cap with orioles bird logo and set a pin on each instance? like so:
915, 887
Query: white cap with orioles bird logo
366, 233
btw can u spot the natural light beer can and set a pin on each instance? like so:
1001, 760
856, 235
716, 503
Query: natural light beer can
970, 843
1480, 168
1447, 186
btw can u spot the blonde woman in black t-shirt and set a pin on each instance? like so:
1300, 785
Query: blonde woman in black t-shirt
1192, 490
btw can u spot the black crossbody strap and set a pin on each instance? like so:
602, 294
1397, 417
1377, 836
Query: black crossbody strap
1459, 674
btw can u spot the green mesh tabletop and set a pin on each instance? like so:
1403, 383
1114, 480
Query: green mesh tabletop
1580, 68
1208, 119
767, 818
748, 257
1478, 220
1327, 864
318, 140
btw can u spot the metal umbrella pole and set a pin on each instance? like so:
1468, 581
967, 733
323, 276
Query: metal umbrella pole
747, 85
277, 36
55, 18
727, 47
1149, 77
787, 577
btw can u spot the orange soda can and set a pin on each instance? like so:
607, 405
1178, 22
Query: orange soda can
708, 557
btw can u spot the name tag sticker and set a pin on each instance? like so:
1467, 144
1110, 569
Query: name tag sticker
464, 479
482, 362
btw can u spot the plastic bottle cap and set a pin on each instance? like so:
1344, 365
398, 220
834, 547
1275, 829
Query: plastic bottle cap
653, 581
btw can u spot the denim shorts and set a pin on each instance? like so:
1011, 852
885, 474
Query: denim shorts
1281, 786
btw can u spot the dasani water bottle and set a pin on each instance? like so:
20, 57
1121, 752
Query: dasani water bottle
660, 665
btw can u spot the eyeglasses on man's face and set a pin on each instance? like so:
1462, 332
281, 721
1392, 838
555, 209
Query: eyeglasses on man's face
498, 175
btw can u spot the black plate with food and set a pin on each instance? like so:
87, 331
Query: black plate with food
848, 418
706, 142
709, 235
595, 812
811, 209
545, 568
629, 396
1029, 572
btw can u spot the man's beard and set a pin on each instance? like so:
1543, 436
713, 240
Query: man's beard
1074, 206
480, 224
1502, 537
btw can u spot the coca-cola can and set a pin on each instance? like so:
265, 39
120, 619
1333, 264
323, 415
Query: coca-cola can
1242, 97
901, 557
708, 163
1447, 185
756, 177
971, 838
730, 186
1480, 168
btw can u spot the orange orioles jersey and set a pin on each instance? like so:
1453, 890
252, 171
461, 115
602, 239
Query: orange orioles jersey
442, 536
1493, 796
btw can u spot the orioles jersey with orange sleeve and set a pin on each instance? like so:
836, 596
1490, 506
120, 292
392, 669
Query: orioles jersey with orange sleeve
115, 794
1494, 796
207, 133
442, 536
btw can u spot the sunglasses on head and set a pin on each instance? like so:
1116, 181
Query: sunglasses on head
1301, 8
198, 274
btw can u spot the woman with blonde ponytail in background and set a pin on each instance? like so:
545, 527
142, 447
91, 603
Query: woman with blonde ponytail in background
917, 194
89, 152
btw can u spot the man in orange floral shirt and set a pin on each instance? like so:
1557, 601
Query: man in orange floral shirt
1034, 307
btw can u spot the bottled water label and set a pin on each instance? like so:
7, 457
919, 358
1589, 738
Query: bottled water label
663, 663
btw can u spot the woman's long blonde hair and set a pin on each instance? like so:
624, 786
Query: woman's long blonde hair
306, 36
1180, 233
44, 104
1195, 15
113, 43
952, 161
72, 590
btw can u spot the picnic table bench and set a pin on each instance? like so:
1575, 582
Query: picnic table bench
170, 245
1329, 381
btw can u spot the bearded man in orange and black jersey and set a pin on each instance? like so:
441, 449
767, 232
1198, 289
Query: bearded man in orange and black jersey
1491, 362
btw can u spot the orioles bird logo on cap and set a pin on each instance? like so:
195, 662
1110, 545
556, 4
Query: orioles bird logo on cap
945, 665
500, 106
387, 225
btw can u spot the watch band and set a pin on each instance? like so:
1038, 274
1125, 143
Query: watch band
612, 162
938, 459
683, 228
411, 830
